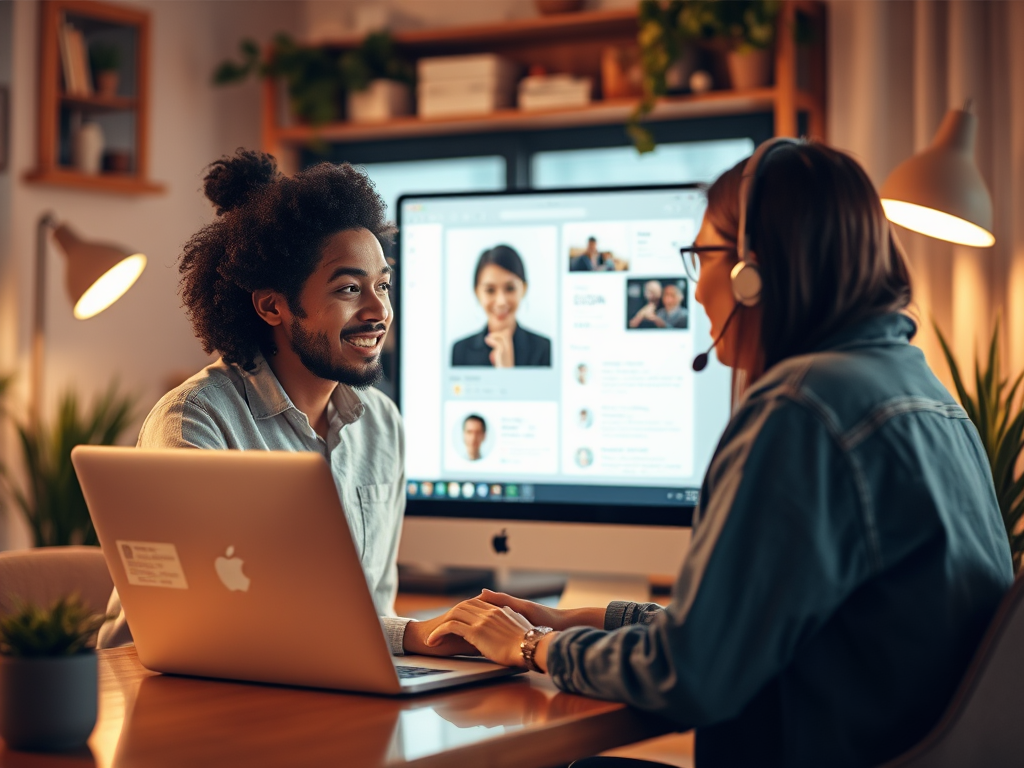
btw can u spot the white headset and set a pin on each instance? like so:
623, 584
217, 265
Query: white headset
746, 277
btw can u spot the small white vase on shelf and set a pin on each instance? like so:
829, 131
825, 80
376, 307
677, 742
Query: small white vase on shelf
87, 148
381, 101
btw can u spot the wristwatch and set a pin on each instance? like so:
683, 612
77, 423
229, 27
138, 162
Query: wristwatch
528, 646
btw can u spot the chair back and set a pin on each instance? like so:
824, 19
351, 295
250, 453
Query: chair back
43, 575
980, 725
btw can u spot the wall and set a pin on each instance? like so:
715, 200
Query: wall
144, 340
899, 67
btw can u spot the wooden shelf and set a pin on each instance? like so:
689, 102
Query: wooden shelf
573, 42
117, 183
595, 113
127, 27
100, 103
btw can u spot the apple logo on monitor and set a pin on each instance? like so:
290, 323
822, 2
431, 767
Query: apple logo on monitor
500, 542
229, 570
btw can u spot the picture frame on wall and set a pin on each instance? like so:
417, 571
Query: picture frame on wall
5, 126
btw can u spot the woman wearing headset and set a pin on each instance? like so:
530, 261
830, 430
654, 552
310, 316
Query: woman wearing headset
847, 551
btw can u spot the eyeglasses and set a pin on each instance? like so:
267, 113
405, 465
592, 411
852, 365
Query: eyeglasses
691, 261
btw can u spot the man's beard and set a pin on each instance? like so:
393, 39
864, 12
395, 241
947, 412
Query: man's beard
314, 351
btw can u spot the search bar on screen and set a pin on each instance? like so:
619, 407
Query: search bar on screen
544, 214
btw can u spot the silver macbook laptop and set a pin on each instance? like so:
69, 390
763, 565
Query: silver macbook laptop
241, 565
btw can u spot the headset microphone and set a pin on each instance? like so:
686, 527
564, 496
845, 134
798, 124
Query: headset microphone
700, 362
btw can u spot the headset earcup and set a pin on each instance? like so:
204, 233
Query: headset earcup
746, 284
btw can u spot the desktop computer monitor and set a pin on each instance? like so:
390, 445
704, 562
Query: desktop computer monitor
553, 421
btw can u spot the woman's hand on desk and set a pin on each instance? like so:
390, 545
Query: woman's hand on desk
543, 616
415, 639
486, 627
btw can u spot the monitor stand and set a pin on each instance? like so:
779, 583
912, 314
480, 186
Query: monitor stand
594, 591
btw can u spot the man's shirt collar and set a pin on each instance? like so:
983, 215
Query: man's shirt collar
267, 398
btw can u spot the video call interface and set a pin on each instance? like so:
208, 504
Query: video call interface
546, 348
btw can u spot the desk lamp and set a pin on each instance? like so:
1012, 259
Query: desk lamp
98, 274
939, 192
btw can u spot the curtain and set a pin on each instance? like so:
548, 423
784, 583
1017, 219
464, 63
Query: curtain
895, 68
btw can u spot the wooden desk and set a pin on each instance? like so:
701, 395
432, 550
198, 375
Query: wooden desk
152, 720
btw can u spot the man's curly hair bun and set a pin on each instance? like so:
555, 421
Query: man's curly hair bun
233, 181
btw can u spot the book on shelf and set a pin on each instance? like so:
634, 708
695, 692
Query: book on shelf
75, 60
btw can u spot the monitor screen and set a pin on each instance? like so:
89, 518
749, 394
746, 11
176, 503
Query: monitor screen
545, 348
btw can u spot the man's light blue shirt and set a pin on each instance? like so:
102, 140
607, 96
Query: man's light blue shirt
224, 407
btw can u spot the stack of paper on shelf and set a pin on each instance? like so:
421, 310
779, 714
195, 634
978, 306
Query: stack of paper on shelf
554, 92
475, 84
73, 55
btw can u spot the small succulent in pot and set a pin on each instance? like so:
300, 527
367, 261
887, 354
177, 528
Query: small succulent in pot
105, 59
48, 686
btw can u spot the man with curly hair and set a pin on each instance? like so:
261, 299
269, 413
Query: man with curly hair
290, 286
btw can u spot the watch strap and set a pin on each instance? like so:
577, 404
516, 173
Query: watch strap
528, 646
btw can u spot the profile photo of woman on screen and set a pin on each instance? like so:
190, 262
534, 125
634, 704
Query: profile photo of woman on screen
500, 285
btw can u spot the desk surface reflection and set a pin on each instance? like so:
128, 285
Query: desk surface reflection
155, 720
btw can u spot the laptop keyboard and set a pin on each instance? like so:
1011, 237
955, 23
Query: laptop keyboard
407, 672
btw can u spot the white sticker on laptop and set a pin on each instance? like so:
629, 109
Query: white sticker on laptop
151, 564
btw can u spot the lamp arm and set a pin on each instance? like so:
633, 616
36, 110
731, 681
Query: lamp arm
46, 222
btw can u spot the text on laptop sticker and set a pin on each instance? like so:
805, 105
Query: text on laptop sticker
152, 564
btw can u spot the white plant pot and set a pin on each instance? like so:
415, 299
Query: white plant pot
381, 101
87, 148
752, 69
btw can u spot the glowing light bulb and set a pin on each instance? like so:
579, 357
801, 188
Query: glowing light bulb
937, 224
110, 286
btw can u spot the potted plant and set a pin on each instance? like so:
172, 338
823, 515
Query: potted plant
48, 688
379, 81
670, 32
998, 415
667, 33
748, 27
51, 498
106, 62
312, 76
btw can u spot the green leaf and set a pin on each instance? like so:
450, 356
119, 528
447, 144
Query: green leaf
65, 628
51, 498
1000, 424
954, 370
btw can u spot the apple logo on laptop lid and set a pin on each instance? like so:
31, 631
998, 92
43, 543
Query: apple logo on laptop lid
229, 570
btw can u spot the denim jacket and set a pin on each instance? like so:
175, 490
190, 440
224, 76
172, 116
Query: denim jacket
847, 554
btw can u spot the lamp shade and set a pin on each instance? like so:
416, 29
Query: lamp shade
940, 192
98, 274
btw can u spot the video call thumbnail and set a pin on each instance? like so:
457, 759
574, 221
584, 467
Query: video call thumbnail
657, 303
502, 283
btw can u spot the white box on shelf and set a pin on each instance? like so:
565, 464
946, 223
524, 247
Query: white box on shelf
478, 103
554, 92
484, 66
462, 97
381, 101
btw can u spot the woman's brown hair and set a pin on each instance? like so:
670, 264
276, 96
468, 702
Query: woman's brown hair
827, 255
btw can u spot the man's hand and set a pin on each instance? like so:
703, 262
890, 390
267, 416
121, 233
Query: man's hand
542, 616
415, 640
502, 354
